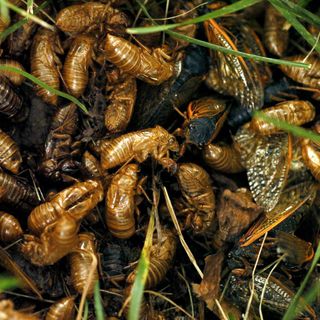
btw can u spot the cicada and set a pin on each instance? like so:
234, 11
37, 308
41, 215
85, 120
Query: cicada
7, 312
14, 77
231, 75
10, 229
62, 309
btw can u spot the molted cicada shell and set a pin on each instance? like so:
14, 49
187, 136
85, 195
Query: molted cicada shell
45, 63
231, 75
75, 70
14, 77
76, 201
153, 66
294, 112
161, 255
11, 103
10, 229
8, 313
121, 99
60, 149
56, 241
10, 157
91, 166
86, 17
62, 310
81, 263
196, 187
139, 145
222, 158
276, 37
120, 202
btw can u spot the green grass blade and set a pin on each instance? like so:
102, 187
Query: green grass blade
4, 10
30, 6
141, 274
239, 5
30, 16
300, 12
296, 24
44, 85
285, 126
86, 311
236, 53
8, 283
21, 22
98, 303
291, 312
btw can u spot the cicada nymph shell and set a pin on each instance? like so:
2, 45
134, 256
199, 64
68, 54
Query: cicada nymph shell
7, 312
45, 63
121, 101
56, 241
76, 201
75, 69
153, 66
161, 255
196, 188
276, 37
120, 202
138, 145
14, 77
224, 158
10, 157
10, 229
81, 262
62, 309
294, 112
231, 75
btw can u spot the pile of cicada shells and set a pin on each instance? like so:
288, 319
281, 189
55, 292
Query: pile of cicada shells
168, 133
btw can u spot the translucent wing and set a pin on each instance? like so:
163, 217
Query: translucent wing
290, 200
267, 160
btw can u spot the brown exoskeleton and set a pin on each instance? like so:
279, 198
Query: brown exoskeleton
58, 162
75, 69
224, 158
11, 103
120, 202
14, 77
16, 193
56, 241
121, 100
162, 253
10, 229
139, 145
7, 312
62, 309
10, 157
81, 262
153, 67
294, 112
45, 63
89, 16
76, 201
196, 187
276, 37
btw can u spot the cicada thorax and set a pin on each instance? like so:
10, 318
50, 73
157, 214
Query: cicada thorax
205, 118
231, 75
